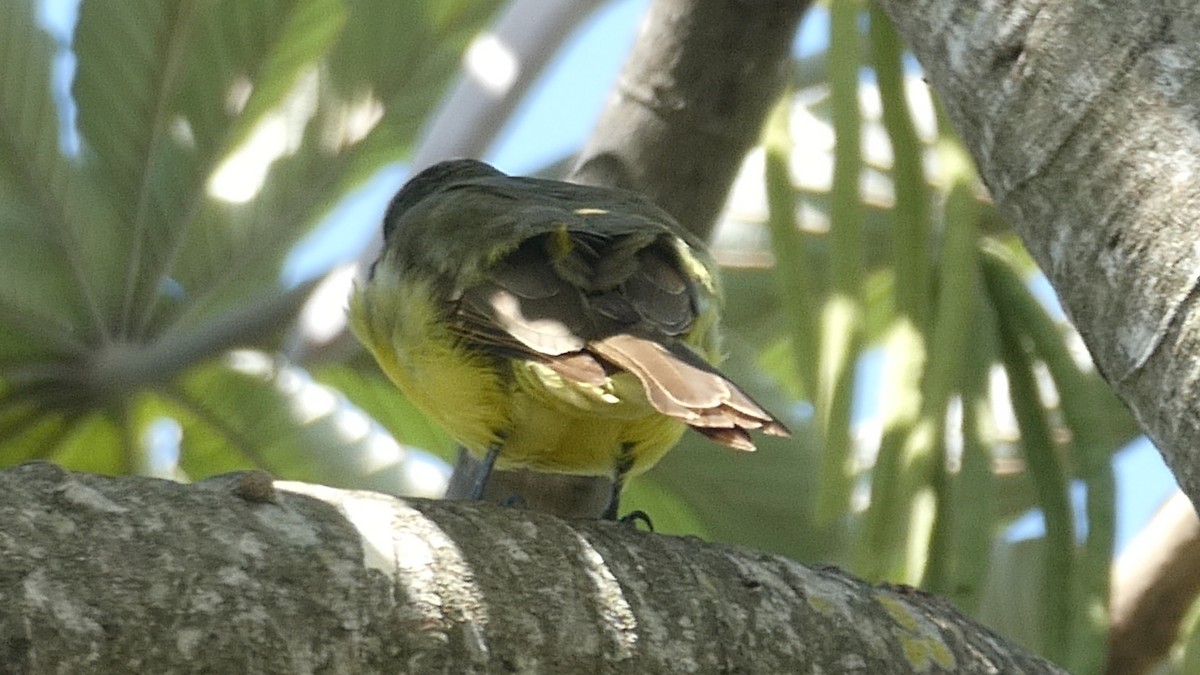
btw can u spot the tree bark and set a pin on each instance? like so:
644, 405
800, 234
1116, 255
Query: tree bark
1082, 120
237, 574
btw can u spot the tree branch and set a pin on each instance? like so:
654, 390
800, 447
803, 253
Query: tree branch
690, 102
529, 32
232, 575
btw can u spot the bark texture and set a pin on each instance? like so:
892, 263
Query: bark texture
1084, 120
239, 575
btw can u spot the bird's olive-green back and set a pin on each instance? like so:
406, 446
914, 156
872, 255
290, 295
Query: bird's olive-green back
460, 217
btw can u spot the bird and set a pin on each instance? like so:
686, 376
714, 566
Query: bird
550, 326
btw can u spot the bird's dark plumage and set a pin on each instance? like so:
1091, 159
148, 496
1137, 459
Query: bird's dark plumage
587, 314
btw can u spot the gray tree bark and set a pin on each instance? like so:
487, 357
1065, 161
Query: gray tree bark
239, 575
1082, 118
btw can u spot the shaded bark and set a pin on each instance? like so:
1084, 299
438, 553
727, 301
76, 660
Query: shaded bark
236, 574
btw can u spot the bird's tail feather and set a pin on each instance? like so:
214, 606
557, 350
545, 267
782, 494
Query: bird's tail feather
680, 385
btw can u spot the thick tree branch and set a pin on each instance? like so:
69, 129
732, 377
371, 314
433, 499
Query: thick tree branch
1082, 118
233, 575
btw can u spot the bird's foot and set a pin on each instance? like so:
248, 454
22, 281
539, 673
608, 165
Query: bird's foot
632, 519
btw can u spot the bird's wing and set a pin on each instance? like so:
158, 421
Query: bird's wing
585, 279
681, 385
593, 305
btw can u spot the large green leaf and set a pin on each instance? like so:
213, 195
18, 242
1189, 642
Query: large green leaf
132, 59
1012, 599
165, 92
433, 36
28, 433
96, 443
762, 499
51, 292
42, 313
253, 410
386, 70
214, 133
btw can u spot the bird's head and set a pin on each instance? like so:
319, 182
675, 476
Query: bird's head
430, 181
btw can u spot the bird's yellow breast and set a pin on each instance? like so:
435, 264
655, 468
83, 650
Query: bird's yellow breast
542, 421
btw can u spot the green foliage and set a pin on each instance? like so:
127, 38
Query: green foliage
933, 292
213, 136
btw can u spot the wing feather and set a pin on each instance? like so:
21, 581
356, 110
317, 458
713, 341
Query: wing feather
590, 301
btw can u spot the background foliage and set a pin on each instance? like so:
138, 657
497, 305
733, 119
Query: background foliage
146, 217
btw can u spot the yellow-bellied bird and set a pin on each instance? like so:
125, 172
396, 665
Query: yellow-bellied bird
548, 325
